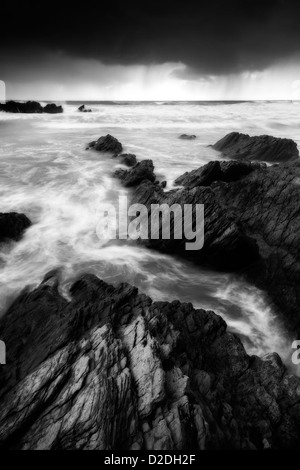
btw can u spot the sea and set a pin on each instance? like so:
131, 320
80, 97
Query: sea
47, 173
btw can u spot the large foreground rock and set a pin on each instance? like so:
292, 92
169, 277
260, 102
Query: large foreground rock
12, 226
265, 148
113, 370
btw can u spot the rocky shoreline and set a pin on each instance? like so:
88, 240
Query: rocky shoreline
111, 369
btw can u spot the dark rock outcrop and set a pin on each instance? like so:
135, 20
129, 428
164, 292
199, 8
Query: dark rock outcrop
187, 137
83, 109
12, 226
266, 206
30, 107
264, 148
143, 170
106, 143
217, 171
17, 107
52, 108
113, 370
225, 245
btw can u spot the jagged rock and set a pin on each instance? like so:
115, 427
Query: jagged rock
83, 109
52, 108
217, 171
128, 159
12, 225
265, 148
106, 143
18, 107
140, 172
225, 245
265, 205
187, 137
113, 370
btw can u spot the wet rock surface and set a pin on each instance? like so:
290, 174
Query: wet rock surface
264, 147
106, 143
111, 369
217, 171
12, 226
265, 205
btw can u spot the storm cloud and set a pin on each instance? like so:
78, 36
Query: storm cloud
214, 37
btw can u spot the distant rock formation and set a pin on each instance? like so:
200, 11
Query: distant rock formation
15, 107
106, 143
113, 370
53, 109
30, 107
83, 109
264, 148
12, 226
187, 137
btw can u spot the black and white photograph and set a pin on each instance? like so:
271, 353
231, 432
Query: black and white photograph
150, 228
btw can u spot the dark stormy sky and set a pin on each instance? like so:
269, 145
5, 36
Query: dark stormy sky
213, 49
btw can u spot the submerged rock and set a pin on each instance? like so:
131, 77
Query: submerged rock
83, 109
265, 148
187, 137
111, 369
12, 225
128, 159
143, 170
106, 143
